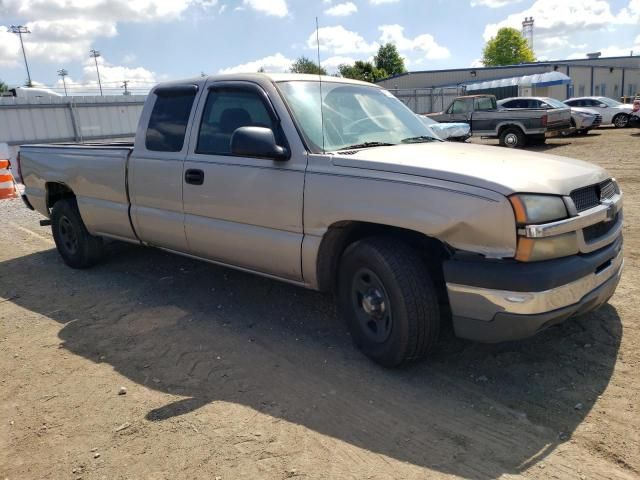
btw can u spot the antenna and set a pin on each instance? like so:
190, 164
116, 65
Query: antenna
320, 79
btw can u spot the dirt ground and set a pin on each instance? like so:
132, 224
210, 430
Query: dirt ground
230, 376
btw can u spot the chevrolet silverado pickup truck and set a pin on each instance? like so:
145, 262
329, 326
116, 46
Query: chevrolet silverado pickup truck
514, 128
334, 185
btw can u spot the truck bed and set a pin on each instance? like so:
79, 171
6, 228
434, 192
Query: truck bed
95, 172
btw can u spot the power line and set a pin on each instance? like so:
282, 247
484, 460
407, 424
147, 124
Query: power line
20, 29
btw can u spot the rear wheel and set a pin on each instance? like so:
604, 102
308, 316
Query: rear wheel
512, 137
388, 300
77, 247
621, 120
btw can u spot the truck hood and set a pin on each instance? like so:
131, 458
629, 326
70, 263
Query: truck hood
502, 170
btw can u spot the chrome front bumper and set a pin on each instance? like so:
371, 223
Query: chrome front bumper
484, 303
484, 310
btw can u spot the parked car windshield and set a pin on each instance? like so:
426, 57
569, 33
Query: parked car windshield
553, 102
609, 101
353, 116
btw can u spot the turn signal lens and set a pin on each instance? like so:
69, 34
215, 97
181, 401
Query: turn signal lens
537, 249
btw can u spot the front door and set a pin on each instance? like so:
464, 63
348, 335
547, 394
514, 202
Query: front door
242, 211
155, 168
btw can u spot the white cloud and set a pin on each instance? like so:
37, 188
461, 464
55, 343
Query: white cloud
65, 30
276, 8
222, 9
425, 44
273, 63
382, 2
9, 48
553, 17
342, 9
332, 63
493, 3
477, 63
338, 40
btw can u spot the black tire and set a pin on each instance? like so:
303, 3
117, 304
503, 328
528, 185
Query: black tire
621, 120
397, 320
512, 137
77, 247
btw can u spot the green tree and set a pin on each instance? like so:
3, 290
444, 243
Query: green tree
389, 60
361, 70
508, 47
306, 65
3, 87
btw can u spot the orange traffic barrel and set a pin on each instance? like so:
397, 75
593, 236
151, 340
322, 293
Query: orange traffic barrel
7, 185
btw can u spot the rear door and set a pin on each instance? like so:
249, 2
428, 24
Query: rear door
155, 172
244, 211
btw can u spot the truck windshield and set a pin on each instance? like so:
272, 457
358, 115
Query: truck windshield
355, 116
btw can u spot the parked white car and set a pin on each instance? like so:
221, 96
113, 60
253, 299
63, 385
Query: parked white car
612, 111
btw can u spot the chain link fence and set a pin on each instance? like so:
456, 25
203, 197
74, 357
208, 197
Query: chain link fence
427, 100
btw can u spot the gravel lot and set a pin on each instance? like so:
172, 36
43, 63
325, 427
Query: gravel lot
232, 376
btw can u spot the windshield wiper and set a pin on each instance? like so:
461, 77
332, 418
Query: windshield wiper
367, 145
419, 139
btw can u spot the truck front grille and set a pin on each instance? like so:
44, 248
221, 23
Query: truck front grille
593, 232
591, 196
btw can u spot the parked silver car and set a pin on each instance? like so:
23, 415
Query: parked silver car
613, 112
582, 119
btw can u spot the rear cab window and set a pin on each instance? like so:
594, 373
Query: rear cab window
169, 118
484, 103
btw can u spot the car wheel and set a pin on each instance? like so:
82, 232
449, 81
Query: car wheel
512, 138
388, 300
77, 247
621, 120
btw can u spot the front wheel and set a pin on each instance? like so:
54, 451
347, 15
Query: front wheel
77, 247
621, 120
388, 300
512, 138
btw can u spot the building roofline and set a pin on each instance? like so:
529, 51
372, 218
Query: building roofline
519, 65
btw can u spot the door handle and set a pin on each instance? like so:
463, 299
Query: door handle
194, 177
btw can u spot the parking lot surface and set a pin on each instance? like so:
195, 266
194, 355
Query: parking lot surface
228, 375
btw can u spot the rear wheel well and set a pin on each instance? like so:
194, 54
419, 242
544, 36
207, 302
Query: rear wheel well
342, 234
57, 191
509, 126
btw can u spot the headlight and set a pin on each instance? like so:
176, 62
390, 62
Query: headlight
584, 115
532, 209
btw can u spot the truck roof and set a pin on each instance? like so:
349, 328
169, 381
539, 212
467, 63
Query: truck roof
273, 77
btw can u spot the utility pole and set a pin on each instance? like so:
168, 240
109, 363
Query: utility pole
124, 84
527, 30
95, 54
63, 73
20, 29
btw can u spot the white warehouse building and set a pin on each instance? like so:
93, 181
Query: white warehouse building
613, 77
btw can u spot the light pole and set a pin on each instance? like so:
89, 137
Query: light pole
20, 29
63, 73
95, 54
124, 84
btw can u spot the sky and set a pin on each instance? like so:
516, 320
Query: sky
147, 41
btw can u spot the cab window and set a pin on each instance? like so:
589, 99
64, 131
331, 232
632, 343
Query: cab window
226, 110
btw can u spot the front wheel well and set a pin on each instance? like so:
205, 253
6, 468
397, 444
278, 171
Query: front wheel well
57, 191
342, 234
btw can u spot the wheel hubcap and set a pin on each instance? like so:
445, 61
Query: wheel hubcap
511, 139
68, 235
371, 305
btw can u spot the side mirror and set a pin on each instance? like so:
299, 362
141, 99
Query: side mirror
257, 142
603, 105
